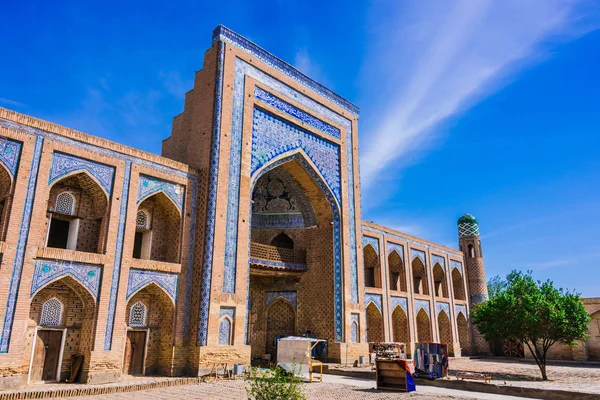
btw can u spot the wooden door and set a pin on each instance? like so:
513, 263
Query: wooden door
46, 355
134, 352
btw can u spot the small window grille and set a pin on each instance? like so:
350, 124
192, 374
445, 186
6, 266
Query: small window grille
138, 314
65, 203
142, 220
51, 313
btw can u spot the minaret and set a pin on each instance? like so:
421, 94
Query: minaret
470, 245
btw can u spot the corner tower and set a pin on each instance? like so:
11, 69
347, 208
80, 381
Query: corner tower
470, 244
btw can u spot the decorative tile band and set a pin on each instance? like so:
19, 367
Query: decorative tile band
46, 271
10, 153
296, 112
114, 286
461, 309
398, 248
397, 301
414, 253
212, 203
442, 306
271, 297
424, 304
139, 278
278, 221
65, 164
374, 242
149, 185
375, 299
278, 264
457, 265
224, 34
479, 298
15, 279
435, 259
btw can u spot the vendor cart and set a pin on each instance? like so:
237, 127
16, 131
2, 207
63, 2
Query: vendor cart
295, 354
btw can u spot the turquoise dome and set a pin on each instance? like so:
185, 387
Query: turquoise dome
467, 219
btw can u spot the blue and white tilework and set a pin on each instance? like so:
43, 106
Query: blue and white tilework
225, 326
46, 271
457, 265
354, 328
296, 112
114, 287
65, 164
414, 253
140, 278
442, 306
289, 295
399, 301
149, 185
459, 308
212, 203
398, 248
15, 279
435, 259
424, 304
374, 242
129, 159
278, 264
375, 299
10, 152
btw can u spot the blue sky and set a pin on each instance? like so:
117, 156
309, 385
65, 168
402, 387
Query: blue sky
487, 107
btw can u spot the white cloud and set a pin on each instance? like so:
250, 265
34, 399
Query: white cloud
10, 102
432, 59
304, 63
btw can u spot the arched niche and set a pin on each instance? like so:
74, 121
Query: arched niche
397, 272
419, 273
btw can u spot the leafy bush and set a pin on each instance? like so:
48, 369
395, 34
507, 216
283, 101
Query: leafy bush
274, 384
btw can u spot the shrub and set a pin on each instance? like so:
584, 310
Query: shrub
274, 384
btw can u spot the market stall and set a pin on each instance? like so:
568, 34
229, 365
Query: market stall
295, 354
429, 359
392, 371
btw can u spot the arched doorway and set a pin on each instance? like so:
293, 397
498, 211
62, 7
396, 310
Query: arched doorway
421, 285
445, 331
400, 326
63, 323
149, 342
372, 267
294, 219
463, 334
78, 214
281, 321
397, 272
5, 199
158, 230
458, 285
439, 281
374, 324
423, 327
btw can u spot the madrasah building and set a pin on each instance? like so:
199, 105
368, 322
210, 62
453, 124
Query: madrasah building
246, 228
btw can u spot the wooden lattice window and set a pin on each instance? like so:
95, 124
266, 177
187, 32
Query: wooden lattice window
142, 220
65, 203
138, 315
52, 311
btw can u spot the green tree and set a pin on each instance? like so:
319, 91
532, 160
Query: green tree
535, 313
495, 285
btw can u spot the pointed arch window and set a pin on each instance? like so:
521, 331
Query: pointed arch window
51, 314
138, 315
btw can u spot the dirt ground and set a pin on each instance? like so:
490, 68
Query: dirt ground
573, 377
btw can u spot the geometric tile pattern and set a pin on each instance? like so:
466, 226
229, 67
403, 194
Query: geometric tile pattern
288, 295
414, 253
139, 278
399, 301
10, 152
457, 265
15, 279
374, 242
149, 185
296, 112
225, 326
443, 306
424, 304
468, 229
46, 271
435, 259
65, 164
375, 299
398, 248
460, 308
116, 273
